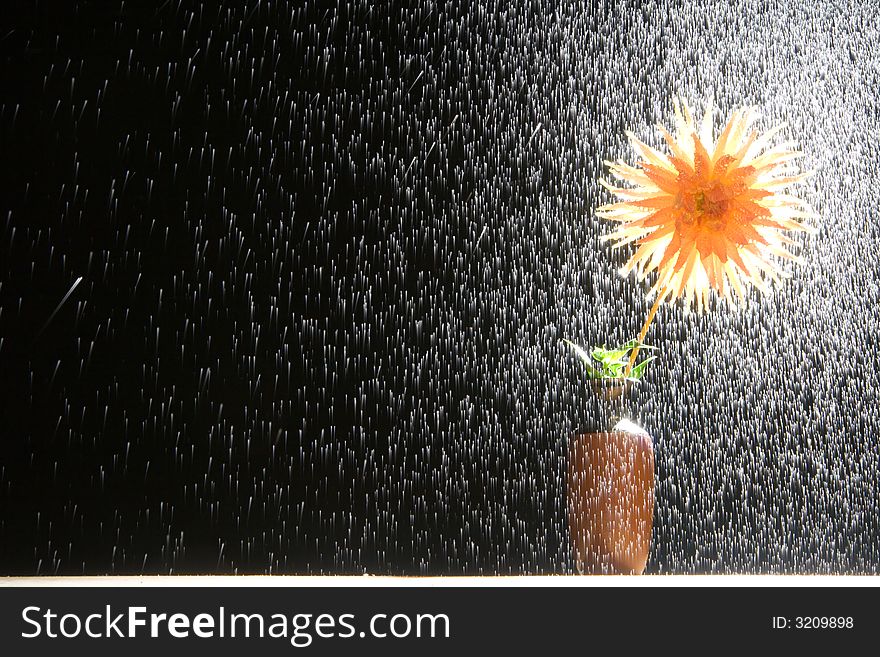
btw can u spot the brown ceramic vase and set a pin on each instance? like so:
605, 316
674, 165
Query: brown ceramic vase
611, 487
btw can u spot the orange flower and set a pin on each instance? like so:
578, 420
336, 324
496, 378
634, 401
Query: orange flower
707, 216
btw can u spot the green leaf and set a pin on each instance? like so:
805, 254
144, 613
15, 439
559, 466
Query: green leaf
635, 342
639, 370
602, 363
592, 372
615, 356
577, 349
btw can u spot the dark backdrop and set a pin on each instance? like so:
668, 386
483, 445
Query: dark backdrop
257, 371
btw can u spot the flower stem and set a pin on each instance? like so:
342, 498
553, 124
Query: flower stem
644, 332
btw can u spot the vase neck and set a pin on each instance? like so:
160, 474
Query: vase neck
610, 402
608, 412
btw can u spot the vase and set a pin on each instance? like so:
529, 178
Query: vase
611, 486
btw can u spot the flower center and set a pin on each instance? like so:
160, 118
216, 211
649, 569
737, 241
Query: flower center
706, 207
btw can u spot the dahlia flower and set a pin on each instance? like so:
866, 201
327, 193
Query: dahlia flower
707, 215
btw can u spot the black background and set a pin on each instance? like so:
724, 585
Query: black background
252, 374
